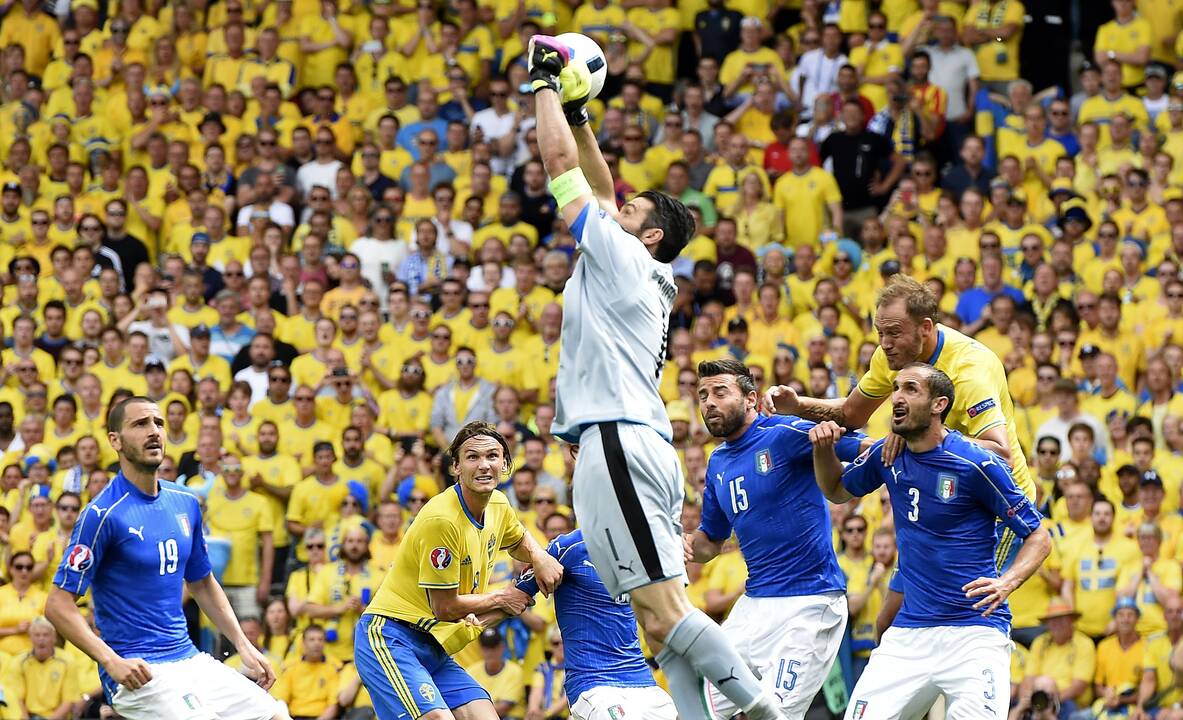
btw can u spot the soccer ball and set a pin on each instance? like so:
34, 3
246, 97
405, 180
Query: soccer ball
586, 50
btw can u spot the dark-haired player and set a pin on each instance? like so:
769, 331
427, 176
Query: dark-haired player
628, 480
419, 616
135, 546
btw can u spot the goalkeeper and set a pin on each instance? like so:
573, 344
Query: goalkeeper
628, 480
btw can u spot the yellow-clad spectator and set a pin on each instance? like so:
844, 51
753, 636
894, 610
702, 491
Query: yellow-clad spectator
1127, 39
341, 591
244, 518
384, 543
308, 686
21, 600
1156, 580
876, 59
355, 467
808, 197
324, 42
993, 28
1091, 570
43, 681
1062, 661
502, 678
1158, 687
1119, 656
315, 499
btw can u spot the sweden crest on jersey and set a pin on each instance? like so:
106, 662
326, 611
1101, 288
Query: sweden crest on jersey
764, 461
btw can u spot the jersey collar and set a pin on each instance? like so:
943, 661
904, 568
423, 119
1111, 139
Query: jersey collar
940, 346
464, 507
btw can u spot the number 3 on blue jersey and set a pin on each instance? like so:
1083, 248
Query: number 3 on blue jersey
914, 511
739, 496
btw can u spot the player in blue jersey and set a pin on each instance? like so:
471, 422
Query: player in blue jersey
135, 547
607, 677
789, 623
951, 636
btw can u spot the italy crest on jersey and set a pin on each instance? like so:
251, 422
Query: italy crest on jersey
764, 461
183, 522
946, 487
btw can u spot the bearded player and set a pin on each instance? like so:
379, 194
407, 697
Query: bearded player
906, 321
628, 480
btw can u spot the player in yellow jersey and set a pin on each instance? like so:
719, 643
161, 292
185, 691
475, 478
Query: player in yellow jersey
425, 611
905, 318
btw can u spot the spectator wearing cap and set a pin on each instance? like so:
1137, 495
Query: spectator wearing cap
1125, 505
1091, 569
501, 677
14, 220
1156, 98
1119, 658
156, 375
1062, 662
199, 361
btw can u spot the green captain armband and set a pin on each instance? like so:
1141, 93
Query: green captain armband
569, 187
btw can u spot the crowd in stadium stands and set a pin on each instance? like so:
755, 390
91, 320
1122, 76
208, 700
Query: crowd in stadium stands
318, 233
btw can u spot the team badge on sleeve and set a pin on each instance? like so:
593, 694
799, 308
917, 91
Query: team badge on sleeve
946, 487
860, 709
80, 559
441, 558
764, 461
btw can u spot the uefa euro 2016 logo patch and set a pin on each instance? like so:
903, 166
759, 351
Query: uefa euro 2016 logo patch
946, 487
80, 559
441, 558
764, 461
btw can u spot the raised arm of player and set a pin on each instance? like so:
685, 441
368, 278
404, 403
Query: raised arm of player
827, 468
212, 600
595, 169
61, 609
560, 153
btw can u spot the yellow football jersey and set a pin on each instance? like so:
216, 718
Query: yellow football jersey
446, 547
982, 399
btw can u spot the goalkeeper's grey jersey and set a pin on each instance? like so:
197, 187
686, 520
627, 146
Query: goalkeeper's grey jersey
615, 323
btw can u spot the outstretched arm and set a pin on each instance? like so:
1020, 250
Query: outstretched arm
594, 168
560, 154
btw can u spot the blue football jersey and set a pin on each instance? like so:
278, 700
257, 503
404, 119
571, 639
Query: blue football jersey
600, 643
762, 486
135, 552
945, 502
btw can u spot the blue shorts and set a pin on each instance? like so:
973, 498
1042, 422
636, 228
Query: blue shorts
406, 671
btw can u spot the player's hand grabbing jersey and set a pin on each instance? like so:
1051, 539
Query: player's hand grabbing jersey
982, 399
446, 548
945, 504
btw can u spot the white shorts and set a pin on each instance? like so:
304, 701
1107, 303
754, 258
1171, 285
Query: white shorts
619, 703
790, 642
196, 688
628, 494
969, 666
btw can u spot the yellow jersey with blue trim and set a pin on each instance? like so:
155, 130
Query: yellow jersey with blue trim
982, 397
446, 547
